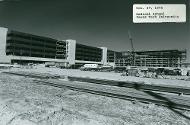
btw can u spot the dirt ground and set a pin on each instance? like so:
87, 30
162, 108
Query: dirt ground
23, 102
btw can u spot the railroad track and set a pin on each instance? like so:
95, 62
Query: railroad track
127, 93
136, 85
176, 102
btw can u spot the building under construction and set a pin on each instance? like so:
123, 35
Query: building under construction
160, 58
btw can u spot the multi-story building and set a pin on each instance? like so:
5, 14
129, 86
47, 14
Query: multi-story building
18, 47
111, 56
88, 53
26, 45
161, 58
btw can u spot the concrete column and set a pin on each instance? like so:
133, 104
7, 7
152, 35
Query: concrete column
104, 55
71, 48
3, 40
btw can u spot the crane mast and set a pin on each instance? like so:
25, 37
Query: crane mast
132, 49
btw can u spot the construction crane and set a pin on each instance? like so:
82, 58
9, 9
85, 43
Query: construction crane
132, 49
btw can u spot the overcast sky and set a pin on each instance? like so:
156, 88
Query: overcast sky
93, 22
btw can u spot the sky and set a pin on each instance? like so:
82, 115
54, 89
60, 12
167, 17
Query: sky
100, 23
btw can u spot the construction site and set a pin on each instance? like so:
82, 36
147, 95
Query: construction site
28, 49
94, 62
19, 47
45, 81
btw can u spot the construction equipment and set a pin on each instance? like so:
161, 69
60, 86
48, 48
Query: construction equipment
132, 49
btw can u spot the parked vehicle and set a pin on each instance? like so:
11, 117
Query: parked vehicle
5, 66
105, 68
89, 67
49, 64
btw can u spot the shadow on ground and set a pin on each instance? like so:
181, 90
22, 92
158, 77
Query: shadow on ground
168, 103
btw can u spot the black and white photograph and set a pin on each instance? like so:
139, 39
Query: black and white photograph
94, 62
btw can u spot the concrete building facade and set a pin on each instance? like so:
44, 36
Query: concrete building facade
3, 39
18, 47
